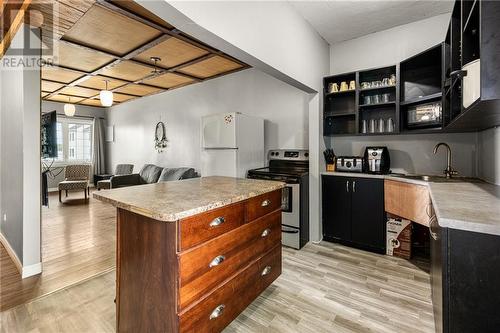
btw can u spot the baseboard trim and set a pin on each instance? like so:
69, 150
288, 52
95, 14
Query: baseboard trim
11, 253
32, 270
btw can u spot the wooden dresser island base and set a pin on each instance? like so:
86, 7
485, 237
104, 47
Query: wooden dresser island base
199, 272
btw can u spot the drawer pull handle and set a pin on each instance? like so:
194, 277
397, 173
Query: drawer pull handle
266, 271
265, 233
265, 203
217, 312
217, 221
217, 261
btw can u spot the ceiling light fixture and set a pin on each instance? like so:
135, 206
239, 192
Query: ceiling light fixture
155, 71
69, 109
106, 96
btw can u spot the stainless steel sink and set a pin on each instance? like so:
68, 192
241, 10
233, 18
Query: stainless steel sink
438, 179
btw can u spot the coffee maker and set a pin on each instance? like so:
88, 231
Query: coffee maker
377, 160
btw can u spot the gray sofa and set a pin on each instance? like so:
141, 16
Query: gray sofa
150, 174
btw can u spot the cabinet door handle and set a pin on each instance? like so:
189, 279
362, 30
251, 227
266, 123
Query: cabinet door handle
265, 203
433, 234
217, 221
217, 311
347, 186
266, 271
265, 233
217, 261
354, 186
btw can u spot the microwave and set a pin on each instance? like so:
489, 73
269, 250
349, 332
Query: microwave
424, 115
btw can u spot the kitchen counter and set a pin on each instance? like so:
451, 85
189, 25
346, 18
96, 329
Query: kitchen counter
469, 206
175, 200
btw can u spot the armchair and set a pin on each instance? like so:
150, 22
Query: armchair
76, 177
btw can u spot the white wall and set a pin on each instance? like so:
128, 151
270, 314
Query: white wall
251, 92
20, 158
388, 47
414, 153
489, 155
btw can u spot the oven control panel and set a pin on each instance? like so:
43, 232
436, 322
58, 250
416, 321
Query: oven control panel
289, 154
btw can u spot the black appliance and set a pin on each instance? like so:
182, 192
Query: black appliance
349, 164
377, 160
291, 167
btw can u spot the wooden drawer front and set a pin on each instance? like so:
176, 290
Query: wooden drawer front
238, 247
406, 200
263, 204
232, 297
197, 229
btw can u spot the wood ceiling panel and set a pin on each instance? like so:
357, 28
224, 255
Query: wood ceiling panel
91, 102
97, 82
122, 98
138, 90
65, 99
127, 70
172, 52
51, 86
59, 74
43, 94
79, 91
135, 8
210, 67
80, 58
106, 30
168, 80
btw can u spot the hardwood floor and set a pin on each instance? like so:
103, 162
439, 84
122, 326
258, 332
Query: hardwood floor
323, 288
78, 242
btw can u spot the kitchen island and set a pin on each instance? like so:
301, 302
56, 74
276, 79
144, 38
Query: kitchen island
193, 254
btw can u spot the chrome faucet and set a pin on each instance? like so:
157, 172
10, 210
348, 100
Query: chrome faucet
449, 170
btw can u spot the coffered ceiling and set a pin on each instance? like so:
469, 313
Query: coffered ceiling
95, 41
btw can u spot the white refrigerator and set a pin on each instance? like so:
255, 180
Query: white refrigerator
232, 143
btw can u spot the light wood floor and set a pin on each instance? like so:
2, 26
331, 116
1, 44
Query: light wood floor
323, 288
78, 242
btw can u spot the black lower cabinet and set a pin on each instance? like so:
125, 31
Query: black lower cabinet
465, 277
353, 212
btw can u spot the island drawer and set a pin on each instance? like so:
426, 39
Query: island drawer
199, 228
263, 204
204, 267
224, 304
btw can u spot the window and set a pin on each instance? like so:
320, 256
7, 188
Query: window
74, 140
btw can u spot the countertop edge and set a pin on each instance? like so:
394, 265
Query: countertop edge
189, 212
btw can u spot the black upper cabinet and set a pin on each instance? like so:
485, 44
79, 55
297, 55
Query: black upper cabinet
479, 40
433, 76
353, 212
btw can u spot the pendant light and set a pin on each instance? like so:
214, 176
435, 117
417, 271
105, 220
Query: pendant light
69, 109
155, 71
106, 96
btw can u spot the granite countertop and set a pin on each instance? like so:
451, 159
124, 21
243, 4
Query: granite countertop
171, 201
470, 206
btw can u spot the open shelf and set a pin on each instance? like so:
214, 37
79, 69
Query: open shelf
374, 105
422, 99
340, 93
377, 88
340, 114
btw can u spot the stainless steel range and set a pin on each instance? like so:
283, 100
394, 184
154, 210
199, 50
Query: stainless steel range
292, 167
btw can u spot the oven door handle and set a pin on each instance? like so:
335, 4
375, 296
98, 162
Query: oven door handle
290, 231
